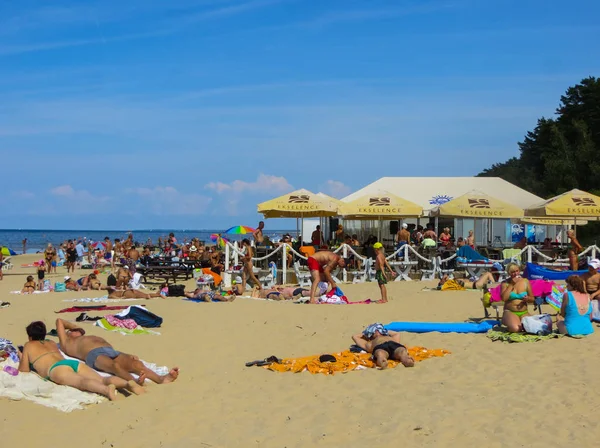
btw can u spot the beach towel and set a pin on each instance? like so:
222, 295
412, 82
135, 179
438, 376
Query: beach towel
452, 285
136, 281
105, 325
31, 387
27, 293
505, 336
129, 324
102, 299
216, 277
141, 316
346, 361
78, 309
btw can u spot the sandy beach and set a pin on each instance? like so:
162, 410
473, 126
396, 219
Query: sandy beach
485, 393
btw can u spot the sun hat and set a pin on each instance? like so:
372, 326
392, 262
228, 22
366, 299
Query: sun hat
377, 245
67, 278
595, 263
193, 249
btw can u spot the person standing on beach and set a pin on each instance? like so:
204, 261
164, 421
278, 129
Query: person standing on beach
403, 236
380, 264
248, 270
71, 256
108, 252
321, 264
574, 250
24, 246
50, 257
1, 262
259, 238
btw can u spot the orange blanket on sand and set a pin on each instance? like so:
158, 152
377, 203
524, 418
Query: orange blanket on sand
347, 361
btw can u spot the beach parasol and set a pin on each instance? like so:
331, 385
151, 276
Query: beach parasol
573, 204
6, 251
476, 204
98, 243
218, 239
239, 230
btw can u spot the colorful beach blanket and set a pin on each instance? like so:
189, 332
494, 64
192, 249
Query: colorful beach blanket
346, 361
505, 336
104, 324
539, 288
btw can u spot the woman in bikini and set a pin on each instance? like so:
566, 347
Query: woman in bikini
574, 250
516, 294
43, 356
29, 286
114, 293
445, 237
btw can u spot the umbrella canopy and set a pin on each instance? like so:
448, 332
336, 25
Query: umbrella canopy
218, 239
6, 251
380, 205
330, 198
239, 230
573, 204
476, 204
298, 204
551, 221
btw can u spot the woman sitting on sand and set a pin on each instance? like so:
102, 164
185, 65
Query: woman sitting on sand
43, 356
576, 309
89, 282
516, 294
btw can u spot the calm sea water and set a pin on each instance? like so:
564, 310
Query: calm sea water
38, 239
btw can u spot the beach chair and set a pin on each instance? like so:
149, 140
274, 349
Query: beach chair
366, 274
303, 277
7, 264
269, 280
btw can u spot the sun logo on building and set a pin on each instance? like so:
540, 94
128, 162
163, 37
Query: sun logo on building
379, 202
479, 203
299, 199
584, 202
440, 199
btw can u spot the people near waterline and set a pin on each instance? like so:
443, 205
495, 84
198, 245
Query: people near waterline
445, 237
574, 250
317, 237
71, 256
576, 309
41, 273
516, 295
248, 266
321, 265
50, 257
470, 240
80, 252
43, 356
30, 286
381, 264
384, 345
258, 235
591, 279
97, 353
24, 246
403, 236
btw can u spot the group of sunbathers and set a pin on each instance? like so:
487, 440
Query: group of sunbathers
95, 354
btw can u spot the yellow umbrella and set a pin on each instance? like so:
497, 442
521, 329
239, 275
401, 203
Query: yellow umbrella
337, 202
298, 204
476, 204
380, 205
573, 204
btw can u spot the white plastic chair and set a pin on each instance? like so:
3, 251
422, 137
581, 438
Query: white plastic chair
6, 264
304, 278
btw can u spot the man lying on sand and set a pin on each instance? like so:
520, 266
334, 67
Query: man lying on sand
208, 296
114, 293
100, 355
321, 265
43, 357
384, 345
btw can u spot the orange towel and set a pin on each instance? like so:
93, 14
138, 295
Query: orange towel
216, 277
346, 361
452, 285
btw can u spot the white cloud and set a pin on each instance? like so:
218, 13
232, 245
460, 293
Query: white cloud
336, 189
264, 183
168, 201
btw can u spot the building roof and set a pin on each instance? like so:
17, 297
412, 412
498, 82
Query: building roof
429, 192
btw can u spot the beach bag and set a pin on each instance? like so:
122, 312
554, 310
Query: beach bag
141, 316
540, 324
47, 285
60, 287
176, 290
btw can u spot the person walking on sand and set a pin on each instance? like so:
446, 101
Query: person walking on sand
321, 264
384, 345
380, 265
100, 355
248, 269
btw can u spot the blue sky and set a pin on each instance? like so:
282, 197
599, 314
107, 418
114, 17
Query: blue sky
187, 113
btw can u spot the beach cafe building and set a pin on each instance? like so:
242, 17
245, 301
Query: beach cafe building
431, 192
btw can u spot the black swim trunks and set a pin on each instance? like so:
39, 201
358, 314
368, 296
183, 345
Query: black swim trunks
41, 275
390, 347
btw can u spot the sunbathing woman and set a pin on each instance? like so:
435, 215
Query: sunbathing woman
281, 293
208, 296
42, 356
114, 293
29, 286
473, 283
516, 294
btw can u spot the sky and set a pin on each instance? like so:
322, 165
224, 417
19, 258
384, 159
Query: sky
175, 114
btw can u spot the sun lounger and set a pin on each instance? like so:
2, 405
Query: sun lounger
7, 264
303, 277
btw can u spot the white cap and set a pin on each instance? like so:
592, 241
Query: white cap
405, 226
67, 278
595, 263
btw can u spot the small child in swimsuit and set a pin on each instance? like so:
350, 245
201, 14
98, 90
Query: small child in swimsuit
380, 264
41, 273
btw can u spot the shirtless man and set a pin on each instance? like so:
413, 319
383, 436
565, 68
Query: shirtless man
108, 252
99, 354
384, 345
592, 279
574, 250
118, 247
321, 264
430, 233
248, 271
132, 255
403, 236
259, 238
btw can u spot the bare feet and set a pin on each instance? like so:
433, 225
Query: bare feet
406, 360
135, 388
112, 392
172, 376
381, 301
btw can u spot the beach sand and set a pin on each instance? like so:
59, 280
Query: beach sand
485, 393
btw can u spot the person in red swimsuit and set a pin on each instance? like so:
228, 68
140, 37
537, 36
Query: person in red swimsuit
321, 264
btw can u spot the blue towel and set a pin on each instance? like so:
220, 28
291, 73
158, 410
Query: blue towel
470, 254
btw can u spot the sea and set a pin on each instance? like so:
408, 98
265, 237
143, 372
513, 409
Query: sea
37, 240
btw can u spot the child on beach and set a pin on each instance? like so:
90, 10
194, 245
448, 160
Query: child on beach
29, 286
380, 264
41, 273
